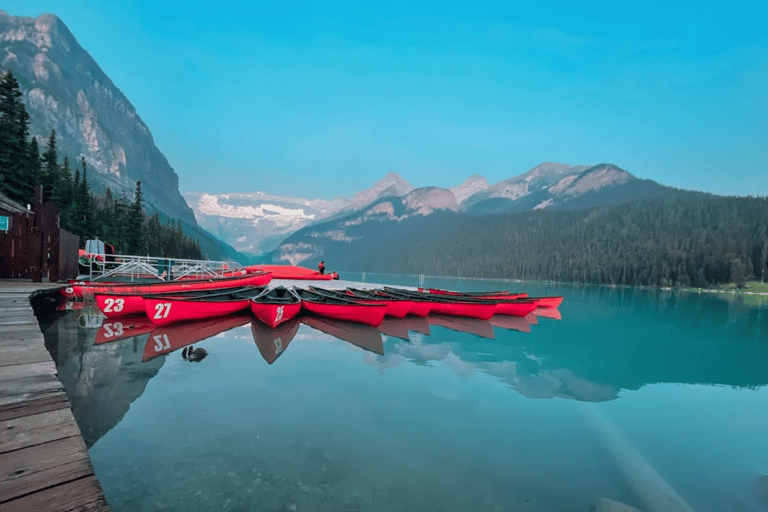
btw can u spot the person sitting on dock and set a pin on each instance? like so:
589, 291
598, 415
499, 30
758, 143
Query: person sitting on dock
321, 267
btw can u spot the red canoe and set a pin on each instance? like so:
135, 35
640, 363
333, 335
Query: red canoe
548, 302
516, 307
452, 305
293, 272
395, 308
342, 309
420, 307
115, 288
169, 309
276, 306
476, 295
119, 305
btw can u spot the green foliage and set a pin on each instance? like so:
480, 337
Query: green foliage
15, 158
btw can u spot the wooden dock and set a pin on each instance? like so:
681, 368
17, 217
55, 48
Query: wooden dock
44, 464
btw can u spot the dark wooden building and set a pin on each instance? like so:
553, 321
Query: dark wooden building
32, 245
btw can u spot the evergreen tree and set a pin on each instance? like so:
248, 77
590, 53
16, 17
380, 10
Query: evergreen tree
34, 169
14, 131
50, 170
83, 206
135, 223
64, 196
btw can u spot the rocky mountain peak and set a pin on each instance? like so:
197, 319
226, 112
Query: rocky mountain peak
471, 186
424, 201
64, 89
594, 178
391, 185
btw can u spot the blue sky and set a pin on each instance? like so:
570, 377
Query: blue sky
321, 99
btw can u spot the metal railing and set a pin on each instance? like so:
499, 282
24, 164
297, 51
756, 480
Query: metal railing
131, 268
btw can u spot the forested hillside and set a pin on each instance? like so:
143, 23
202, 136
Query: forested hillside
678, 238
116, 220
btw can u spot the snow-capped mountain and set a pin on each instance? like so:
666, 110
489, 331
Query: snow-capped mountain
257, 222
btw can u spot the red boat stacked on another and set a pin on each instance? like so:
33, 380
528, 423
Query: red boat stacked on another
165, 310
276, 306
80, 290
452, 305
342, 309
396, 308
293, 272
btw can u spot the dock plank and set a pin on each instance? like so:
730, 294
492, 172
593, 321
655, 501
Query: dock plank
15, 355
44, 463
45, 427
82, 495
39, 467
51, 402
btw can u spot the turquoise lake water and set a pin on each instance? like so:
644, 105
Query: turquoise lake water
656, 399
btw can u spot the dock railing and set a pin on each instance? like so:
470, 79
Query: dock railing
130, 268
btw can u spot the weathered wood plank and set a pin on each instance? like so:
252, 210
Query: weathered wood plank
25, 332
29, 389
25, 370
20, 343
11, 356
18, 322
37, 429
81, 495
51, 402
42, 466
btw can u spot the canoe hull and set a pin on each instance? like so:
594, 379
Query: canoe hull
368, 314
165, 311
81, 290
516, 308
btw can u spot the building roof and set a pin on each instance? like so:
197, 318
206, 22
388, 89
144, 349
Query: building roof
9, 205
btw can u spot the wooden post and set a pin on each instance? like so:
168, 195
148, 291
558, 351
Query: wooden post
36, 245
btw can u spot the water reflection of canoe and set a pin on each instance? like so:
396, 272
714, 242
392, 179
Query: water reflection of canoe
399, 327
511, 322
553, 313
482, 328
119, 329
173, 337
273, 342
276, 306
358, 334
